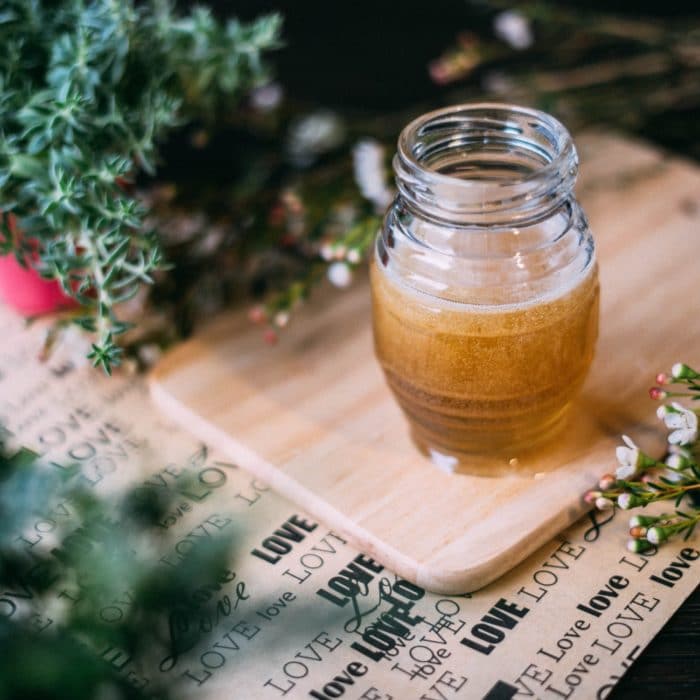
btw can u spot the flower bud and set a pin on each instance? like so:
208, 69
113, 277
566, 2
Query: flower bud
657, 394
627, 500
638, 532
643, 520
607, 481
657, 535
603, 503
353, 256
638, 546
682, 371
281, 319
662, 378
590, 496
256, 314
678, 461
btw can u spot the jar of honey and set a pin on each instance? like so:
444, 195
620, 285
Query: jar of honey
484, 281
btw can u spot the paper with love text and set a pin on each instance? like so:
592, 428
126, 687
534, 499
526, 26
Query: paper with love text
301, 613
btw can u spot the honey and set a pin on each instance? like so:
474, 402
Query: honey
484, 283
474, 379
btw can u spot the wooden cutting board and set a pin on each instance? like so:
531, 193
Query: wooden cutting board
312, 416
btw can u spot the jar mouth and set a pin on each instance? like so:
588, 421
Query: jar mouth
485, 159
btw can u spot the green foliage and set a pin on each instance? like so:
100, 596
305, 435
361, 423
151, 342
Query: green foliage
102, 551
86, 91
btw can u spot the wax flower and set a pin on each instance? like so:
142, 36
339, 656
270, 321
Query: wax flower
641, 479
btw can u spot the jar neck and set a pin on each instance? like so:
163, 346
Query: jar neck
485, 165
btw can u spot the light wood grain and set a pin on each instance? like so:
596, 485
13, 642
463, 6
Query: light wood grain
313, 417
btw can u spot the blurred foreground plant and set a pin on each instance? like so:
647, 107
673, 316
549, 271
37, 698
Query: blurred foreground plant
88, 609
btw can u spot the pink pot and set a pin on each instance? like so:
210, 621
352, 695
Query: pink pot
29, 293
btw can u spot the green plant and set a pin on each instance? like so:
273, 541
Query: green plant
87, 89
57, 641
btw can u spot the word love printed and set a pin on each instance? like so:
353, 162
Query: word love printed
492, 626
274, 547
336, 687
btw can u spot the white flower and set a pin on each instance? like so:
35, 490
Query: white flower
602, 503
626, 501
326, 252
267, 97
683, 422
513, 27
353, 256
340, 274
679, 459
210, 242
281, 319
498, 83
370, 173
682, 371
313, 135
656, 535
629, 457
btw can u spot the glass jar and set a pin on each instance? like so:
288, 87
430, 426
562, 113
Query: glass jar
484, 282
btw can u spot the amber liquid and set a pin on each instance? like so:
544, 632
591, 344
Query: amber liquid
483, 380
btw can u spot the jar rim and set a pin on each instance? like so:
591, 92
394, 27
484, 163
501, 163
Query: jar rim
550, 175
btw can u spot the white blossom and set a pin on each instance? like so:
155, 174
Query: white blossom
682, 371
603, 503
353, 256
625, 500
370, 173
683, 422
340, 274
326, 252
630, 458
656, 535
281, 319
514, 28
267, 97
313, 135
679, 459
498, 83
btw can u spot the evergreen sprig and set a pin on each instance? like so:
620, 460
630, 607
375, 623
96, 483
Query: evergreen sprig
86, 91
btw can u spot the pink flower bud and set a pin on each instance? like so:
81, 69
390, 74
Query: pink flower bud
657, 394
662, 378
590, 496
256, 314
270, 336
607, 481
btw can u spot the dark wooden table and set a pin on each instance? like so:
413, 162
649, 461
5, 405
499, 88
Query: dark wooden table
669, 668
